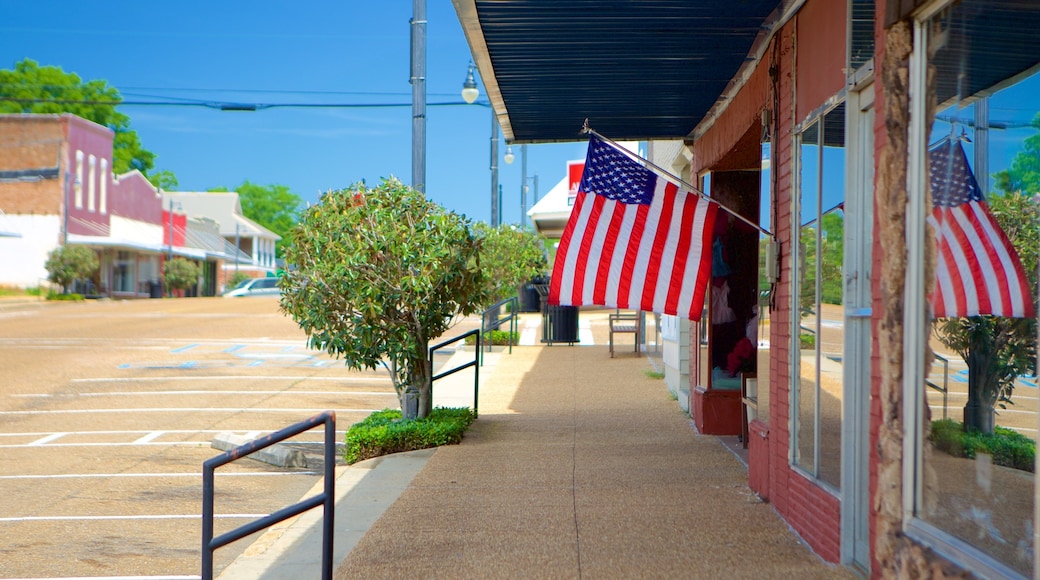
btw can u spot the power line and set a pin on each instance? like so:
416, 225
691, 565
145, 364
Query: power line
238, 106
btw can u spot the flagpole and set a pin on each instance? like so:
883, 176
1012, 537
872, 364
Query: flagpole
664, 173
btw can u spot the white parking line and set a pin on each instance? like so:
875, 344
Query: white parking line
131, 475
47, 439
147, 438
180, 410
133, 432
195, 577
201, 392
228, 378
136, 517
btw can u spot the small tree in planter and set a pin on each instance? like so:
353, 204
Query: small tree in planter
66, 264
377, 273
510, 257
181, 274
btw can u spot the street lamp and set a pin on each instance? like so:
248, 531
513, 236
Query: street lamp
470, 94
469, 88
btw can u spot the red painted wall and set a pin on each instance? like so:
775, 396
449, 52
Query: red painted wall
134, 197
91, 139
821, 28
180, 228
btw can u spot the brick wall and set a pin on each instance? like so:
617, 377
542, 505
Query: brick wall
31, 143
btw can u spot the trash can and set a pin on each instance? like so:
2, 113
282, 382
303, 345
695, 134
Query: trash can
155, 290
563, 324
529, 298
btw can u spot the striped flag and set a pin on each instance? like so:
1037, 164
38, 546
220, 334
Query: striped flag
633, 240
978, 270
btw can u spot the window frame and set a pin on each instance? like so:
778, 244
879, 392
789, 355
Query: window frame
916, 326
794, 363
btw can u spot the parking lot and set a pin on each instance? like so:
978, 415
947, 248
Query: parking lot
107, 412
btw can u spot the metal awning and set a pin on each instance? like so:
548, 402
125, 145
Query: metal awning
648, 69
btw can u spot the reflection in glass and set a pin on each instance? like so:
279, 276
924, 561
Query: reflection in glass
985, 500
821, 318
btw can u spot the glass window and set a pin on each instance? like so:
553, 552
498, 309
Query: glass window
817, 364
979, 174
78, 184
103, 201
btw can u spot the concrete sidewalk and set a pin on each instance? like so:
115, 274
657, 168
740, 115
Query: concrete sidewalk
580, 466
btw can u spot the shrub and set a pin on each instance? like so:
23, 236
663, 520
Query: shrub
66, 264
181, 274
65, 297
1009, 448
497, 337
385, 432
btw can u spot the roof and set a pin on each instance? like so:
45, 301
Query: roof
222, 207
652, 69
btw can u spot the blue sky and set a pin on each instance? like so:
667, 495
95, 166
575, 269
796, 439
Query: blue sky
262, 51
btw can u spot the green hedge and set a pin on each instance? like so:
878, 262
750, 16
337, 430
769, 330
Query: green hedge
1008, 447
385, 432
498, 338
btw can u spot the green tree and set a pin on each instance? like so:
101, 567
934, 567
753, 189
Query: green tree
275, 207
66, 264
378, 273
31, 88
164, 179
509, 257
181, 274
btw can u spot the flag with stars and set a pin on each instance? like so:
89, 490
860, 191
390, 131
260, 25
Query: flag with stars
978, 271
633, 240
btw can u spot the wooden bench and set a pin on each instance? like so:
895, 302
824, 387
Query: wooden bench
625, 322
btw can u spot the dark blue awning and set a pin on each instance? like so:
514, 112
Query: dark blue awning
647, 69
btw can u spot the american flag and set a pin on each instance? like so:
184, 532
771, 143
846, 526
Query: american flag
978, 270
633, 240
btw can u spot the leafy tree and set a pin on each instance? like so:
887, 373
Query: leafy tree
273, 206
1024, 174
66, 264
181, 274
509, 257
164, 179
31, 88
379, 272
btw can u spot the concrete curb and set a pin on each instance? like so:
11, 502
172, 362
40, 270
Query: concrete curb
291, 550
277, 454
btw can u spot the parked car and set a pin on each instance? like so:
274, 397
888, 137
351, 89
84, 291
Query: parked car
254, 287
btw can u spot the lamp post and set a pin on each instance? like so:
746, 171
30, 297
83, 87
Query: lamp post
470, 94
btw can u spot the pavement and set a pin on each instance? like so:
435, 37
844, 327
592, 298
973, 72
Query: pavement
579, 465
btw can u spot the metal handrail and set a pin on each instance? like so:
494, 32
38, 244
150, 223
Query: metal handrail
945, 388
473, 363
326, 498
513, 319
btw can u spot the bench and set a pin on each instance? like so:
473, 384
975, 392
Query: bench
622, 323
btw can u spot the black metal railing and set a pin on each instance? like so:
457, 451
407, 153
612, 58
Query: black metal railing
326, 498
945, 388
473, 363
492, 319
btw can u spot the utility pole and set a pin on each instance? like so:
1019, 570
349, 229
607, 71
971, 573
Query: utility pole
418, 81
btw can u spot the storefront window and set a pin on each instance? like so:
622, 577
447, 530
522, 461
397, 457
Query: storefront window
977, 165
817, 366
